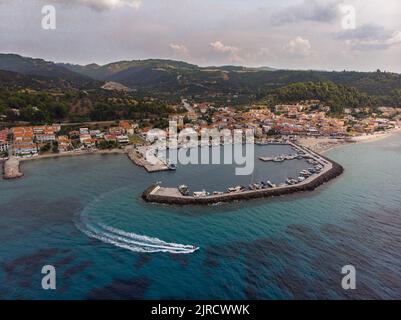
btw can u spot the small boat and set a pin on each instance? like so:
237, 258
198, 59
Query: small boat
201, 194
271, 185
217, 193
305, 173
257, 186
278, 159
183, 189
171, 166
234, 189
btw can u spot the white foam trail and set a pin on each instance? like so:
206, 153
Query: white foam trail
144, 238
131, 241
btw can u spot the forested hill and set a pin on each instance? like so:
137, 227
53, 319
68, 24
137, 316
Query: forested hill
169, 78
336, 96
39, 90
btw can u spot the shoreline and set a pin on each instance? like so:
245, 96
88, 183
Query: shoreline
12, 166
72, 154
317, 145
324, 145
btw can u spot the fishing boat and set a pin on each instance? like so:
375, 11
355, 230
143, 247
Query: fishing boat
171, 166
278, 159
183, 189
201, 194
270, 184
234, 189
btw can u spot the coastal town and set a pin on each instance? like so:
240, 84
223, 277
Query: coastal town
310, 123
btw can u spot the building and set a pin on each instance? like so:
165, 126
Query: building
64, 143
4, 141
123, 139
127, 126
44, 134
24, 149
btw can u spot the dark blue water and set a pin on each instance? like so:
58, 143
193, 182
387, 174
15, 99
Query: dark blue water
282, 248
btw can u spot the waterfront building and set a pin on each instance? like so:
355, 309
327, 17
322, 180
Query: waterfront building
64, 143
4, 141
44, 134
24, 149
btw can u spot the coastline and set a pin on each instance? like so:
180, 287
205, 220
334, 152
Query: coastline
72, 154
12, 166
318, 145
323, 145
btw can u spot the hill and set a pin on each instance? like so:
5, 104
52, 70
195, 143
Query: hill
38, 68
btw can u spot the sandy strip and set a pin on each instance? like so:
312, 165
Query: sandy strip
322, 145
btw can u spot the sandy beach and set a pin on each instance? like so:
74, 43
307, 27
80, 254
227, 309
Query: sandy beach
324, 144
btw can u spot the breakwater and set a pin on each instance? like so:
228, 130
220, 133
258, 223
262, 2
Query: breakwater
157, 194
11, 169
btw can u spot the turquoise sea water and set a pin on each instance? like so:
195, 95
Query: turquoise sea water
84, 216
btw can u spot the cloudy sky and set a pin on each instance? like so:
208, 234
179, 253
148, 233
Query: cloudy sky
301, 34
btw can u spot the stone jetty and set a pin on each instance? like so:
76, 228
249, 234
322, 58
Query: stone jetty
138, 159
331, 170
12, 169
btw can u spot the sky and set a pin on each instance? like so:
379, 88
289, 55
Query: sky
362, 35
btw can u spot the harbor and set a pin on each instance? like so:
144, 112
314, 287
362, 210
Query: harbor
321, 171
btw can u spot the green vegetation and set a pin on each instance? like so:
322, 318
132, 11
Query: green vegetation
38, 91
107, 145
337, 97
135, 139
45, 148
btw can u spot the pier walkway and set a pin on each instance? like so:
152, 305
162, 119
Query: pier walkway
330, 171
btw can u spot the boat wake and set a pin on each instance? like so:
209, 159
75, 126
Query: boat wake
131, 241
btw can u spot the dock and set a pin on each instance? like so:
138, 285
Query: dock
12, 169
266, 159
331, 170
139, 159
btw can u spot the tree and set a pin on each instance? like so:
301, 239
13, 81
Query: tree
46, 148
55, 147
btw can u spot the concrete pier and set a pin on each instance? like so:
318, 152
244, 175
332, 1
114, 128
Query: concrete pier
12, 169
330, 171
138, 159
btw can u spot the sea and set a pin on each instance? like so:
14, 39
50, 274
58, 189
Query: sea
85, 217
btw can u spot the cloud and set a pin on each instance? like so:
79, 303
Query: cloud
180, 49
232, 52
299, 47
104, 4
309, 10
370, 36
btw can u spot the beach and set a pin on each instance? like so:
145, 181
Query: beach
324, 144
